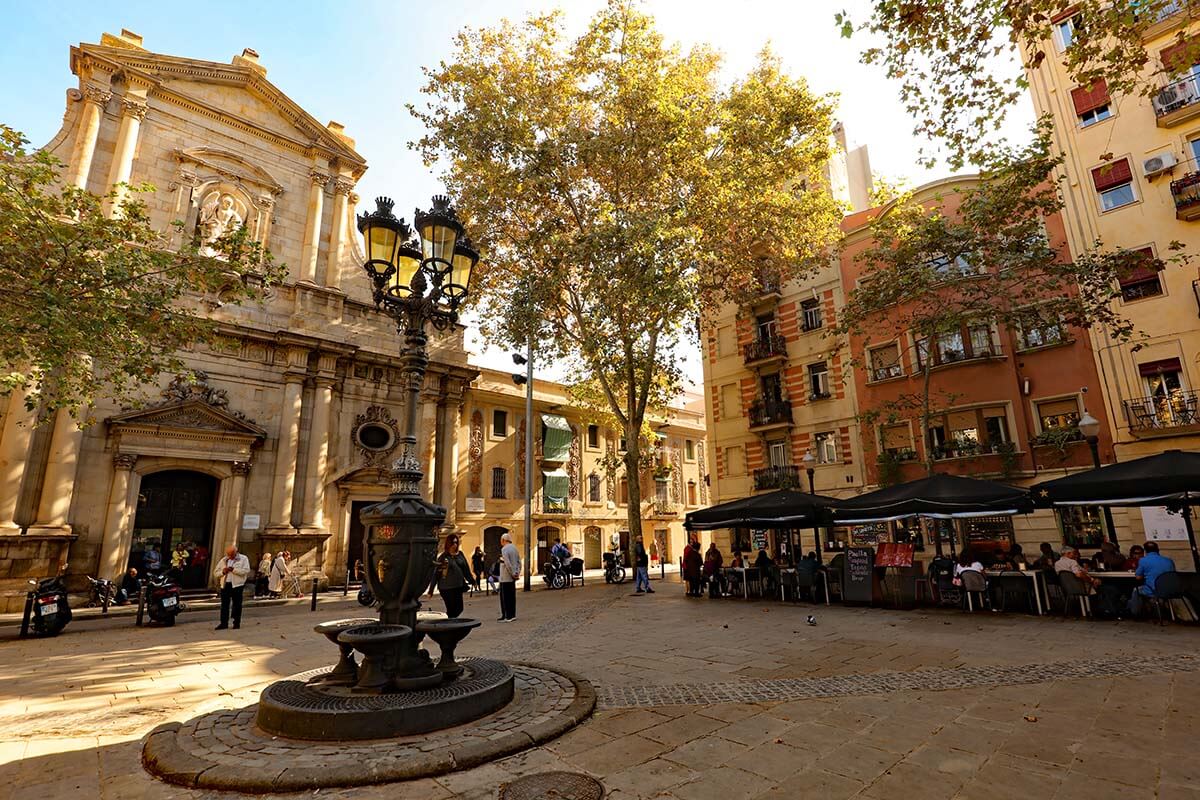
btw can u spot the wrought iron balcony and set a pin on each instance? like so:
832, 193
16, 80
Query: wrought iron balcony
1175, 102
1163, 416
886, 373
764, 413
966, 450
665, 508
764, 348
1186, 193
786, 477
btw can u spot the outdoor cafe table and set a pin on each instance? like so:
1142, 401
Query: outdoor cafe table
824, 579
1035, 576
746, 576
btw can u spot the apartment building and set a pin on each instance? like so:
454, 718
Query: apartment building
575, 498
1133, 181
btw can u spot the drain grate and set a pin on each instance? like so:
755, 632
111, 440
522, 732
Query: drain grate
556, 785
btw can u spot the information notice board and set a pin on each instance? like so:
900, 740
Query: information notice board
858, 575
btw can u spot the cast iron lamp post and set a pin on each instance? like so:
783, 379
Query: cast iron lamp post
810, 461
1089, 426
418, 281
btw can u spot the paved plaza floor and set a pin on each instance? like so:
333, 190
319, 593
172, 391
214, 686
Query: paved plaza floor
723, 699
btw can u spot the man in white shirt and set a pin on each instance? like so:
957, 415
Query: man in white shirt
233, 570
510, 570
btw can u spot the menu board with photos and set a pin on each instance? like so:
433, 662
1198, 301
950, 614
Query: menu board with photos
891, 554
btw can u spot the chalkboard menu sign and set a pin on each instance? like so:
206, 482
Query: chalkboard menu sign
858, 575
759, 540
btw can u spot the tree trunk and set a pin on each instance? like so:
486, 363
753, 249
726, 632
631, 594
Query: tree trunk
926, 435
633, 477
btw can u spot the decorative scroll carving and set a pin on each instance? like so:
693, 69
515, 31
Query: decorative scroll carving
124, 461
241, 468
134, 108
573, 464
195, 386
376, 456
95, 94
521, 458
703, 476
475, 454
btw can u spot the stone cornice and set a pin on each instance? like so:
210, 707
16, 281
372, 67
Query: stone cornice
144, 66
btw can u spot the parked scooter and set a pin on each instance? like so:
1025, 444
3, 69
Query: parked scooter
51, 611
163, 600
554, 573
103, 594
614, 567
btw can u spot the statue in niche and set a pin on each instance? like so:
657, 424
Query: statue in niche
219, 215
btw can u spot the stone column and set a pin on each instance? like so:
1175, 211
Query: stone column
58, 485
312, 232
284, 489
133, 111
427, 441
313, 516
445, 459
94, 101
114, 547
337, 233
233, 494
14, 456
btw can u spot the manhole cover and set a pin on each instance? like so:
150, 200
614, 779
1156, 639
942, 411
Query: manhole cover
558, 785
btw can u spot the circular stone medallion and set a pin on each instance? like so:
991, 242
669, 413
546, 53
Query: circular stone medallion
565, 785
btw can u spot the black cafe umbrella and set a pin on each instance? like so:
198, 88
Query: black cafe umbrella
782, 508
1171, 478
938, 496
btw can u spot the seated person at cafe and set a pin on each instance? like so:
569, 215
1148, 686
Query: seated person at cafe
1149, 568
1135, 555
738, 561
1047, 558
766, 569
1110, 557
967, 561
1108, 593
1009, 559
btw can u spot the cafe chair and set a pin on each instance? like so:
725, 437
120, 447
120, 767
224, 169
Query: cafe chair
1073, 588
941, 581
805, 581
833, 573
575, 572
1010, 586
1168, 587
973, 583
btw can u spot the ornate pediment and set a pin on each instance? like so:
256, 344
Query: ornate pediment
191, 414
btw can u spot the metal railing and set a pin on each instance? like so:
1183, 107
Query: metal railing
765, 347
1176, 95
1176, 410
665, 508
785, 477
886, 373
1186, 191
966, 450
770, 412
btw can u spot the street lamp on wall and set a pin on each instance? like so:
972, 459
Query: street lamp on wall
810, 461
1089, 426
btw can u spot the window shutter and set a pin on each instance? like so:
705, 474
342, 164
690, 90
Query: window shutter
1065, 14
1111, 175
1089, 98
1175, 58
1144, 272
1163, 365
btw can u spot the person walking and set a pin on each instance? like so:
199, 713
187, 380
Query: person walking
263, 576
451, 577
713, 561
279, 571
510, 570
233, 571
641, 569
477, 567
693, 564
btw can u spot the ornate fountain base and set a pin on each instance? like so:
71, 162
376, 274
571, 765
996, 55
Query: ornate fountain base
301, 708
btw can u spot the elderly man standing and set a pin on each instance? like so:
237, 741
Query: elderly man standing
233, 571
510, 570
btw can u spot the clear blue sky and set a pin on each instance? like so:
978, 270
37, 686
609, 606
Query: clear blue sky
359, 63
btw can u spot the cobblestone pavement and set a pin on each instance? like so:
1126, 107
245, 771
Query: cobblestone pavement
725, 699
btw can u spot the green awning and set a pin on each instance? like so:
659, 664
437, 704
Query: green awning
556, 438
556, 485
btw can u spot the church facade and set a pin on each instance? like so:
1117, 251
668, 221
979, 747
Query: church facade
292, 421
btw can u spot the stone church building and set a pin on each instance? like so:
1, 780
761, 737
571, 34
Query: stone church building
295, 418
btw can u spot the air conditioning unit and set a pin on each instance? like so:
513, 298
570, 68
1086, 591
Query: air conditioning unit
1155, 164
1169, 97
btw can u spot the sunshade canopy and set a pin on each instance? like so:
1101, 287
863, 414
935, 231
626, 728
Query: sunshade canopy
556, 443
938, 496
782, 508
1172, 476
557, 485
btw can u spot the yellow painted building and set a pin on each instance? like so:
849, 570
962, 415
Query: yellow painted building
1145, 197
574, 498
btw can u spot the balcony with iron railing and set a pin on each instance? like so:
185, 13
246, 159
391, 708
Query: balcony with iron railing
1168, 415
552, 506
765, 348
967, 449
664, 508
1163, 18
771, 478
886, 373
1176, 102
771, 413
1185, 192
969, 351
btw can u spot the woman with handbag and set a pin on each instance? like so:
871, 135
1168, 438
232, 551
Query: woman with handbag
451, 576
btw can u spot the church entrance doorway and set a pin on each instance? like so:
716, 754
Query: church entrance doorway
173, 528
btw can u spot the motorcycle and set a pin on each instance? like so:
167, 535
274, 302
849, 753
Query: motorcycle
163, 600
614, 568
554, 573
103, 594
51, 610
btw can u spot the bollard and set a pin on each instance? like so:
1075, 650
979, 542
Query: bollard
141, 604
662, 570
313, 605
107, 597
346, 585
27, 615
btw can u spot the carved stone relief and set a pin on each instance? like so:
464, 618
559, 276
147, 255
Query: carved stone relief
676, 476
610, 480
475, 454
573, 464
375, 416
703, 475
